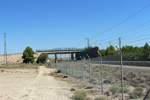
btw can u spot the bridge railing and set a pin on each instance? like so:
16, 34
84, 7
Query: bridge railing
59, 49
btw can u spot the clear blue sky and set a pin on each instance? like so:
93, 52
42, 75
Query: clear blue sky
47, 24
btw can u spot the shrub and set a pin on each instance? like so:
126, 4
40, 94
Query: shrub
28, 55
114, 89
125, 90
138, 91
102, 97
93, 81
59, 75
42, 58
133, 95
89, 87
53, 73
80, 95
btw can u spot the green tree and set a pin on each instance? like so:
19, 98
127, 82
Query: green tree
87, 48
129, 48
28, 55
42, 58
103, 52
110, 50
123, 49
146, 51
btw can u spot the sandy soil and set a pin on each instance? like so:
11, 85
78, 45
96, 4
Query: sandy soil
32, 84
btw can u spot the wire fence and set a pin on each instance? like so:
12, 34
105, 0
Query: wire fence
108, 74
82, 70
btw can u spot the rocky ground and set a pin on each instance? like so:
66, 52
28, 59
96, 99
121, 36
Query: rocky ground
133, 76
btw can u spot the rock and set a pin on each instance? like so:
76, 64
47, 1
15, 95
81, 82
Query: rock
72, 89
116, 96
107, 93
124, 78
65, 76
2, 71
107, 82
58, 71
131, 75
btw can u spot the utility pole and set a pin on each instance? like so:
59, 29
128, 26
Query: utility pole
88, 43
122, 84
5, 51
101, 68
109, 43
120, 43
121, 64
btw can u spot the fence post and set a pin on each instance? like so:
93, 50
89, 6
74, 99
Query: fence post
101, 72
72, 68
70, 72
76, 69
89, 67
82, 67
66, 67
122, 85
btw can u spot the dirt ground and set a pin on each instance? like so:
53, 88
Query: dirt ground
32, 84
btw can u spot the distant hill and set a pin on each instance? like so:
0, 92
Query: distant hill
14, 58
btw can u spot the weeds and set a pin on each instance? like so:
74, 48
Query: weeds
114, 89
102, 97
89, 87
80, 95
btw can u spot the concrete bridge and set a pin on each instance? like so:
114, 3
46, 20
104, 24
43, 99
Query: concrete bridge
56, 51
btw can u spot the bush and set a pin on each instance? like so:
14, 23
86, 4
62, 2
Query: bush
42, 58
59, 75
102, 97
80, 95
138, 91
89, 87
93, 81
114, 89
125, 90
28, 55
133, 95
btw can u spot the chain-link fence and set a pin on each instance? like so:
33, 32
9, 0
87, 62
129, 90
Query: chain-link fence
108, 74
82, 70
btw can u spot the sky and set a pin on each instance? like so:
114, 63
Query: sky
48, 24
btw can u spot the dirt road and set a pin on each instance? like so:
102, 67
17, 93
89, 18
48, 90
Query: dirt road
32, 84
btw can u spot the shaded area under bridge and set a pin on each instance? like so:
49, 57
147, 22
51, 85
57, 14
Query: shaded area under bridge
56, 51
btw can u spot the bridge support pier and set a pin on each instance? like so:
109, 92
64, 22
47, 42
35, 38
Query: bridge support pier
72, 56
55, 58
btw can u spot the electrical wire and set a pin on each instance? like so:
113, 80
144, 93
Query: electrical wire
123, 20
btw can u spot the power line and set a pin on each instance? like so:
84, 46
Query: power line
123, 20
145, 31
143, 35
138, 40
129, 31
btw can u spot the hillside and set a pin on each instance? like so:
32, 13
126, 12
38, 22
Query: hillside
14, 58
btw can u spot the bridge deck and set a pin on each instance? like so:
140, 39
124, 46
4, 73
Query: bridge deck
59, 52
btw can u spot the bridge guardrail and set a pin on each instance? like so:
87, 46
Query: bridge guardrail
59, 49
